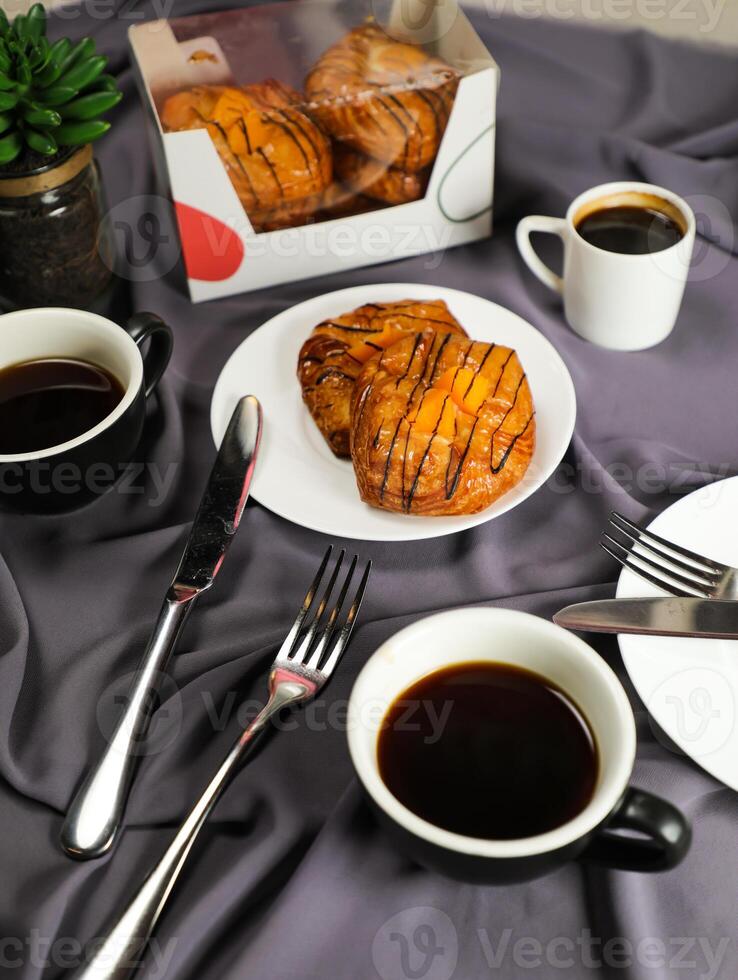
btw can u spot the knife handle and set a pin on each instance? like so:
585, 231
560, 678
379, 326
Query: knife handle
94, 817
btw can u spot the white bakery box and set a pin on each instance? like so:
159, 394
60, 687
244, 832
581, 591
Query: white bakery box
223, 254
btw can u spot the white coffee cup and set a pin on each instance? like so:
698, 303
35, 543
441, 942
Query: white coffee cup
616, 300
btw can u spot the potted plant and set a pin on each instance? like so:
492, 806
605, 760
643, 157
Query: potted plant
55, 248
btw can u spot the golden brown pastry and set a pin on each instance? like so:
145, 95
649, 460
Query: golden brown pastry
277, 158
334, 355
340, 202
384, 98
290, 214
441, 425
365, 175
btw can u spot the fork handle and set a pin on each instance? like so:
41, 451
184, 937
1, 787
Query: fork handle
118, 954
95, 814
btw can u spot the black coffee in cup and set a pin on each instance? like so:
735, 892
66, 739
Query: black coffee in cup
488, 750
49, 401
631, 223
632, 231
73, 398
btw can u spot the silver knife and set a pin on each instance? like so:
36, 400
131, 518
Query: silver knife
710, 618
94, 817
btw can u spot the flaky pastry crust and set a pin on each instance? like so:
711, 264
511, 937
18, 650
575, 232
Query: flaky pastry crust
441, 425
334, 355
384, 98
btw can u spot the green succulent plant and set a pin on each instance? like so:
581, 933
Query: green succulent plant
51, 95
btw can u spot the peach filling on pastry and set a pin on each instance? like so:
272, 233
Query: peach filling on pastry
458, 389
467, 388
435, 414
368, 348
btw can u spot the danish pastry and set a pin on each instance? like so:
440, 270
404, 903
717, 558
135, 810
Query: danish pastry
278, 159
384, 98
364, 175
334, 355
441, 425
340, 202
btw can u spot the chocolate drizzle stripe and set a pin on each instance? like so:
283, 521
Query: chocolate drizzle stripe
506, 454
512, 406
297, 143
269, 164
436, 121
478, 371
403, 128
342, 326
441, 349
413, 316
298, 125
373, 116
415, 129
237, 158
404, 464
462, 460
414, 486
389, 459
419, 382
245, 131
418, 338
329, 373
507, 359
469, 349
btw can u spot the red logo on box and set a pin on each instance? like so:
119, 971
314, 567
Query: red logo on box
212, 250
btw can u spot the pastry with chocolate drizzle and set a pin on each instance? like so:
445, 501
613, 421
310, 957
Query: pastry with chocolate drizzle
278, 158
333, 356
361, 174
383, 98
441, 425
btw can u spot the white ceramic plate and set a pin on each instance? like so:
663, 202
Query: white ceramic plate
690, 686
297, 475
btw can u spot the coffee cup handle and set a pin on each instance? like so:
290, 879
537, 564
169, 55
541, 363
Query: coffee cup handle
550, 226
666, 829
142, 327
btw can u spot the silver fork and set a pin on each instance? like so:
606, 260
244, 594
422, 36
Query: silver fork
666, 565
303, 665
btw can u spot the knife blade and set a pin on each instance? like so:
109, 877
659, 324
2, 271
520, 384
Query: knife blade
222, 504
95, 814
708, 618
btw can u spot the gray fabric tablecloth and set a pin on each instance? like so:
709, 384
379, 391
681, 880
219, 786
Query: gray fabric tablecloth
292, 879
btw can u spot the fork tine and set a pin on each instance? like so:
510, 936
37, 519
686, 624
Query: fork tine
704, 579
330, 626
304, 648
707, 565
289, 640
623, 557
346, 630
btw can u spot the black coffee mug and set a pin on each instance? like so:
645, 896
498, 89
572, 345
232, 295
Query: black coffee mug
64, 477
507, 636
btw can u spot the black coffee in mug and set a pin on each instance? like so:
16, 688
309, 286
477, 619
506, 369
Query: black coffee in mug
47, 402
488, 750
630, 229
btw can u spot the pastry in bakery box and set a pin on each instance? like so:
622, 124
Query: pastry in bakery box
360, 139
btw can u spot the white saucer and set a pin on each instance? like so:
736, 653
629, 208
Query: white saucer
299, 478
690, 686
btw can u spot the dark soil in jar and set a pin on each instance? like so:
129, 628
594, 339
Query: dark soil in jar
29, 163
54, 247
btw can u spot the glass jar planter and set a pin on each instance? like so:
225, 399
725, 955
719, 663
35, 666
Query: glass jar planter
56, 247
